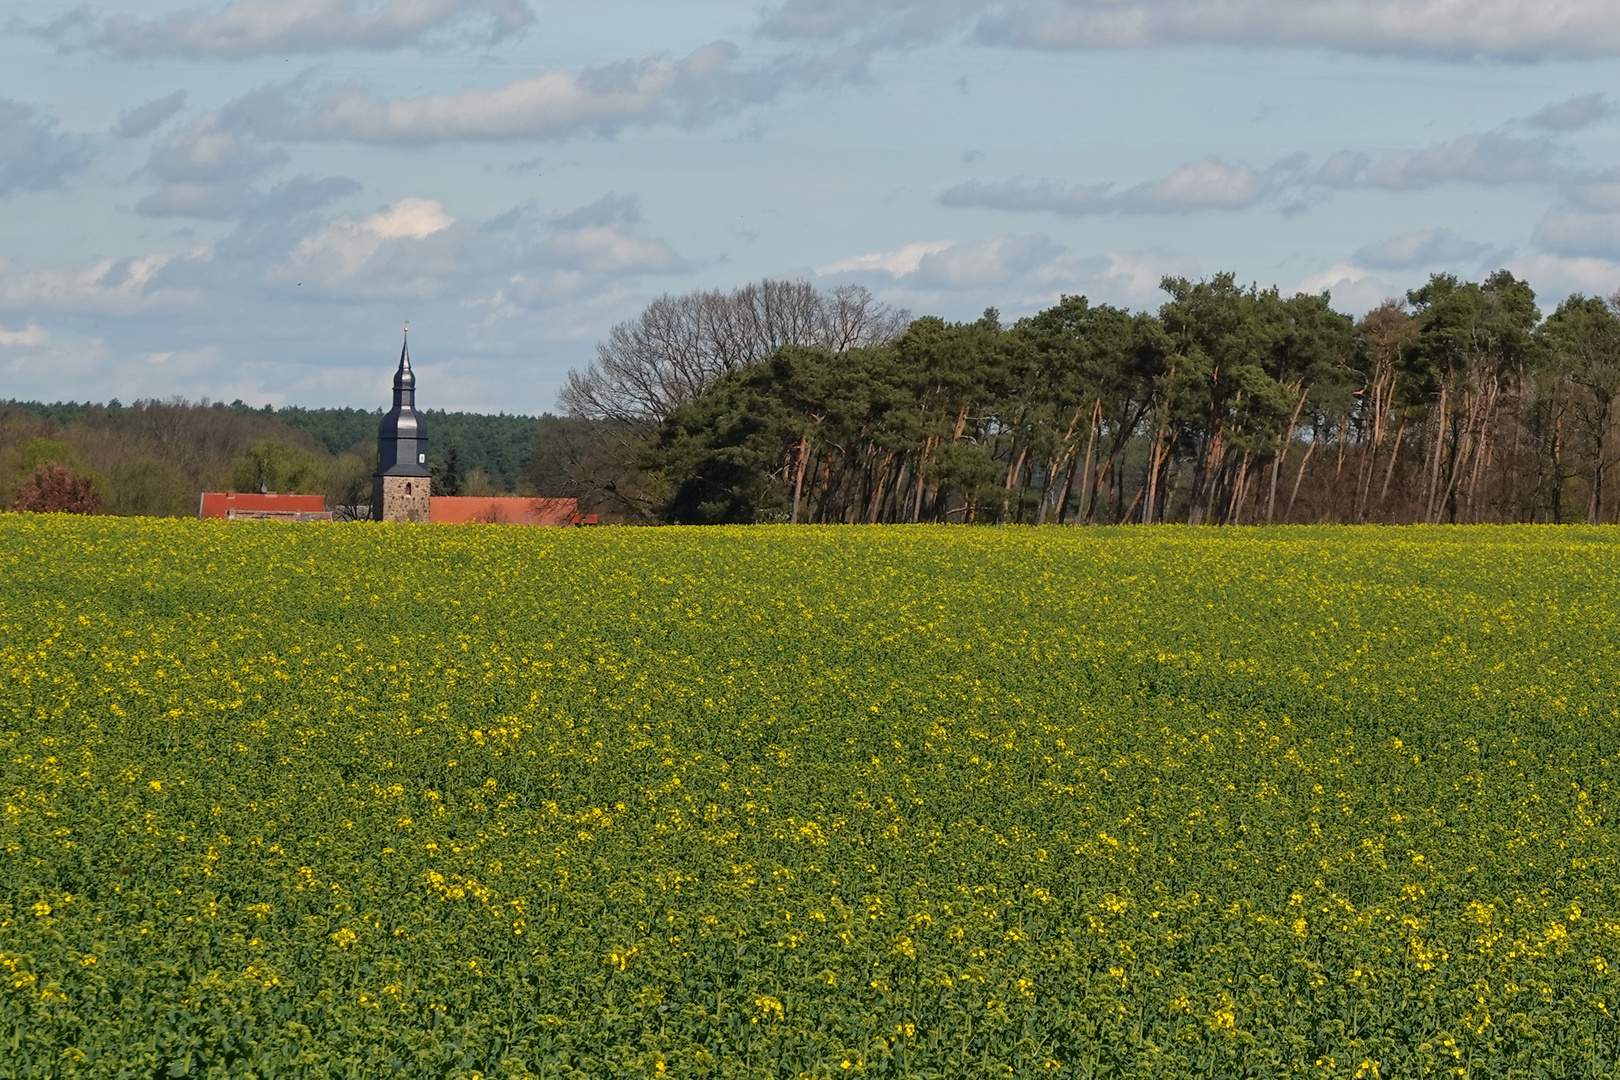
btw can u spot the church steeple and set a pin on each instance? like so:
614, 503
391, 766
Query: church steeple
405, 378
402, 438
400, 484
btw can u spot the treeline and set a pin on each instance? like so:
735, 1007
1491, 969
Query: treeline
780, 403
155, 458
1230, 404
485, 452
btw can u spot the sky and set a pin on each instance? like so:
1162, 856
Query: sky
249, 199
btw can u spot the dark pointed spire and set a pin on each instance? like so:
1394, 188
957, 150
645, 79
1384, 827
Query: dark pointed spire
405, 378
402, 438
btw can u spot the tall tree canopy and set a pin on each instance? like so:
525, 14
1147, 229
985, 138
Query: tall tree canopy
1229, 404
680, 345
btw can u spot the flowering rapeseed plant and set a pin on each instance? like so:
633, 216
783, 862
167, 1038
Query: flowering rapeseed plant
468, 801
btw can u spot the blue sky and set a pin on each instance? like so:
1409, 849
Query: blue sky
247, 199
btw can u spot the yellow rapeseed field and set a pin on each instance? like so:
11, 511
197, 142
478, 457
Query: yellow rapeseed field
777, 802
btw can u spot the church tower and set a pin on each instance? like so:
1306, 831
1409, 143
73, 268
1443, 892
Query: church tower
399, 488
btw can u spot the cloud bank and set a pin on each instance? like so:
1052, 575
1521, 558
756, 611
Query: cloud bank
206, 171
1028, 271
1485, 159
1416, 250
1210, 184
277, 27
555, 104
105, 287
1480, 158
1509, 29
416, 248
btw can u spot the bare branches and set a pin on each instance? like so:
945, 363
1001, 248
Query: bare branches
680, 345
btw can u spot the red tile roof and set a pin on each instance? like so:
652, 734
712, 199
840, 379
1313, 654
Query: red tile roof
234, 504
494, 510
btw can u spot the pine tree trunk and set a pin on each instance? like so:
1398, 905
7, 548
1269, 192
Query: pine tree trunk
1083, 509
1394, 454
1299, 476
798, 479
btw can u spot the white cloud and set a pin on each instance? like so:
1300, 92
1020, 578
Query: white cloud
980, 264
1141, 272
553, 104
51, 371
1354, 290
1485, 158
1017, 274
1209, 184
203, 151
147, 118
1556, 276
32, 156
1571, 231
1479, 157
1596, 191
500, 296
276, 27
896, 263
605, 249
211, 201
178, 362
40, 374
1206, 184
893, 21
1482, 158
30, 335
415, 248
1338, 273
107, 286
1574, 114
1343, 169
416, 219
613, 209
1427, 247
335, 257
1516, 29
207, 171
951, 266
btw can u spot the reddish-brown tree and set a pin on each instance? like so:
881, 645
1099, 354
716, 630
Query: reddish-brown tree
56, 489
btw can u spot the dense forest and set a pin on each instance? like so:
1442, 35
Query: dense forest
156, 457
498, 447
1230, 404
780, 403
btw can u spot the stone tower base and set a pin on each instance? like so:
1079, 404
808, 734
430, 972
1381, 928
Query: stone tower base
399, 498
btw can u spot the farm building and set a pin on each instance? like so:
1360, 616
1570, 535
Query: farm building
465, 509
247, 506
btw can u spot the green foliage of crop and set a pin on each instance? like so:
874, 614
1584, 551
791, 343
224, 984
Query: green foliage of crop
361, 800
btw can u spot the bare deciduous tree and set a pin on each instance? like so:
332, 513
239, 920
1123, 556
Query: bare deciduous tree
680, 345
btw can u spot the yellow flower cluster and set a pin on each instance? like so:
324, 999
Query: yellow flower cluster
803, 801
